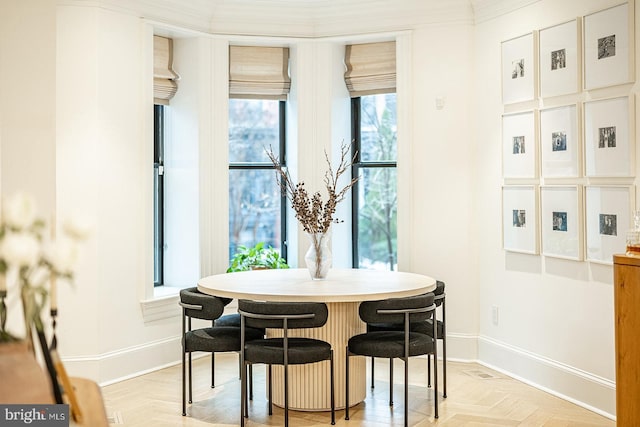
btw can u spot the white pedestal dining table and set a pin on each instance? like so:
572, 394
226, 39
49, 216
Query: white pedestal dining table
343, 290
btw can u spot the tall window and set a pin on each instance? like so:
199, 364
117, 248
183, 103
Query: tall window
375, 194
158, 194
256, 205
164, 88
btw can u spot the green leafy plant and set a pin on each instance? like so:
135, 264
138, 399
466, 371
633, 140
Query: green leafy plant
256, 257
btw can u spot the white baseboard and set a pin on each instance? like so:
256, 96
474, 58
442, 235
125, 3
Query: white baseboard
112, 367
461, 347
594, 393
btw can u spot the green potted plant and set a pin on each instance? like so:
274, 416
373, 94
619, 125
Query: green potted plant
257, 257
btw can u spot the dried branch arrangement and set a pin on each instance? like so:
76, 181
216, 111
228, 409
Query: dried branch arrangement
311, 211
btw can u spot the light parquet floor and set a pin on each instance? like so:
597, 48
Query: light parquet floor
477, 396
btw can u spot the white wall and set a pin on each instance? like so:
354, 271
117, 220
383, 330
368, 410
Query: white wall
27, 108
27, 101
555, 325
100, 118
442, 155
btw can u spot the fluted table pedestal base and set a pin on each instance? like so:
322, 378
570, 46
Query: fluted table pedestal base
309, 385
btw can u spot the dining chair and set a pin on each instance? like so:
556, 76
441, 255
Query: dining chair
425, 328
213, 339
283, 350
393, 343
441, 330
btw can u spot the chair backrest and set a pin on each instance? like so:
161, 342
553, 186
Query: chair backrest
420, 307
439, 293
261, 314
199, 305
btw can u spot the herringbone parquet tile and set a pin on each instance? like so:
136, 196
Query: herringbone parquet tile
477, 397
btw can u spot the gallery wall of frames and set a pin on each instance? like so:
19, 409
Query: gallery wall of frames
568, 137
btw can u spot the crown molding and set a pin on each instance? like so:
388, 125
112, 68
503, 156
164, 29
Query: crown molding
325, 18
308, 18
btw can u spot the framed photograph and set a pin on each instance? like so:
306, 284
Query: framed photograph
608, 218
560, 59
519, 219
609, 47
559, 141
518, 69
519, 148
608, 138
561, 221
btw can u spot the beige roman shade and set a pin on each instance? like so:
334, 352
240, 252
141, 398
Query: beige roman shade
164, 78
371, 68
259, 72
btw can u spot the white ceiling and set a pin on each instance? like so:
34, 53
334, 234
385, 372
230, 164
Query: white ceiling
311, 18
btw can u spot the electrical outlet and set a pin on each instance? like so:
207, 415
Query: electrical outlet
494, 314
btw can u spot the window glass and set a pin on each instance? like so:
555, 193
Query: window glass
377, 219
378, 128
254, 208
253, 125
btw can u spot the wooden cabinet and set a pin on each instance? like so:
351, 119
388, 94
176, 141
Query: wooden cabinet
626, 276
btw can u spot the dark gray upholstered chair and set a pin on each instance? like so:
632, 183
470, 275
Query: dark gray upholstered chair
425, 328
286, 350
441, 327
208, 339
392, 343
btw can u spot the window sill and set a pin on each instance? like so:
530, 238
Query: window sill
163, 305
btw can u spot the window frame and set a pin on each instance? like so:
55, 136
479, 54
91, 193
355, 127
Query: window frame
282, 142
356, 167
159, 197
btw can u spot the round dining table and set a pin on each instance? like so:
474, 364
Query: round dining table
343, 290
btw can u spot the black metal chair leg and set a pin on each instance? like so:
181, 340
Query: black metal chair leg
444, 361
346, 391
390, 382
444, 348
333, 398
435, 368
190, 382
428, 371
286, 395
373, 372
250, 381
184, 384
406, 391
243, 397
213, 370
270, 393
246, 399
